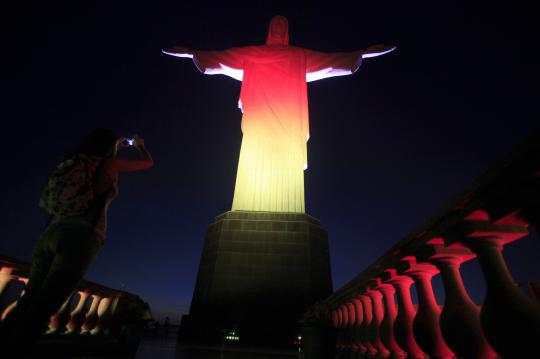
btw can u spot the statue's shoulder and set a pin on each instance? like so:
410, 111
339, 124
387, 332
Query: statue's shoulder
296, 48
282, 48
266, 54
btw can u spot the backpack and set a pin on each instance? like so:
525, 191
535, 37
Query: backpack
70, 189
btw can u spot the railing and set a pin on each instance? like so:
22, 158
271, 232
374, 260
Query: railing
497, 209
92, 311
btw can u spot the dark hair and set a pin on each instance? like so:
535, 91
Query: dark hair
100, 142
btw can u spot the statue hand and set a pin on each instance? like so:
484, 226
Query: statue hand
377, 50
178, 51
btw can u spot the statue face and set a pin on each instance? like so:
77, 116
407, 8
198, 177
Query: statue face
278, 31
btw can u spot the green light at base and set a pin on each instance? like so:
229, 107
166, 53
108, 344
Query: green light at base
231, 335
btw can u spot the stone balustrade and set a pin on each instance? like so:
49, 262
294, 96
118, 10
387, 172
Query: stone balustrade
373, 315
91, 311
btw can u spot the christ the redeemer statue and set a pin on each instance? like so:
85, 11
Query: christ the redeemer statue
274, 103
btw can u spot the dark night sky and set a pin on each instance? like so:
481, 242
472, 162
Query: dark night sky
389, 145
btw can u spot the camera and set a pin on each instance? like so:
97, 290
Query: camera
129, 141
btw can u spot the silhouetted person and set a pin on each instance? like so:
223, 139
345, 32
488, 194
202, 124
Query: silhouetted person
78, 195
157, 329
166, 328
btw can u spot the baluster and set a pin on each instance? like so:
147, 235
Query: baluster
335, 319
77, 315
342, 327
387, 325
368, 317
116, 323
340, 316
426, 323
13, 304
403, 326
460, 317
351, 315
511, 321
5, 278
345, 315
103, 313
91, 317
378, 316
345, 332
56, 323
359, 338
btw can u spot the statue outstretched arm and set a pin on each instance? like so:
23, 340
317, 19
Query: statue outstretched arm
227, 62
321, 65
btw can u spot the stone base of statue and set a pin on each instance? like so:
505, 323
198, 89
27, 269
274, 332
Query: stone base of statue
259, 272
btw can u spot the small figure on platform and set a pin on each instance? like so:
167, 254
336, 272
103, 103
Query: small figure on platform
166, 328
156, 330
77, 195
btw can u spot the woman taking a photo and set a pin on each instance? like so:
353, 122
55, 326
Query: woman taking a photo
77, 195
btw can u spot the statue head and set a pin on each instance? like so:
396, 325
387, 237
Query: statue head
278, 31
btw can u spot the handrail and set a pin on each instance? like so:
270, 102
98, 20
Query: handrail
498, 207
92, 310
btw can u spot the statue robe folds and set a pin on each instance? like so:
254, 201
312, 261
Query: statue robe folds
275, 121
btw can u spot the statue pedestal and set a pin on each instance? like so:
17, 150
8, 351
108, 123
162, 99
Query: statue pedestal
259, 272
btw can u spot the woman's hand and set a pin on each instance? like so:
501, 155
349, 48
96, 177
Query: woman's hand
122, 142
138, 141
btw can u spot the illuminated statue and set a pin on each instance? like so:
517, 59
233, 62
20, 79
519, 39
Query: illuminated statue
273, 100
